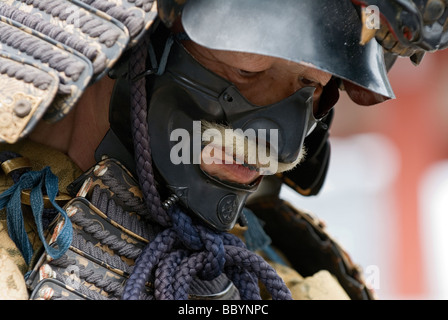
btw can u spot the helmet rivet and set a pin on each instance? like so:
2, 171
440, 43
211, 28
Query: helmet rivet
227, 97
22, 108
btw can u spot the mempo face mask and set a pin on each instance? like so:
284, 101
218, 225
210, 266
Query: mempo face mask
186, 96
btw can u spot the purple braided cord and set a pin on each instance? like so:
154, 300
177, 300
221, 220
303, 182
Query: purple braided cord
185, 250
148, 260
140, 134
176, 268
164, 275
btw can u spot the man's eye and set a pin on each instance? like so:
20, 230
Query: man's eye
246, 73
307, 82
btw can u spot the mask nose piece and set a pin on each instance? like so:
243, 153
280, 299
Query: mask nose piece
283, 125
289, 157
269, 135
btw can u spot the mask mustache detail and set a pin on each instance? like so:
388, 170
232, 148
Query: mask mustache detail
223, 144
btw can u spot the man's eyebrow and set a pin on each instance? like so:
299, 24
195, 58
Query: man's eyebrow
251, 62
307, 71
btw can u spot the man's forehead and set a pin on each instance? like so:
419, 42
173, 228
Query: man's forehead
244, 58
253, 61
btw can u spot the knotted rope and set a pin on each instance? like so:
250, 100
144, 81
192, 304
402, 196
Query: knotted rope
40, 183
185, 249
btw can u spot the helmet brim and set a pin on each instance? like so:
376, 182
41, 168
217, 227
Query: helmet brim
324, 34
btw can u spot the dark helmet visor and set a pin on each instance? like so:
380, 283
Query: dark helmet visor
323, 34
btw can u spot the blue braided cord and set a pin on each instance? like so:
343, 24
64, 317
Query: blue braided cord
148, 259
175, 264
255, 264
245, 282
10, 199
164, 274
216, 258
181, 224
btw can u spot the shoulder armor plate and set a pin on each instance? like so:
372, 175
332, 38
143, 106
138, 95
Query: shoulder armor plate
74, 42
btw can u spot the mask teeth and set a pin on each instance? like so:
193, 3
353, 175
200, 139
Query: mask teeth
244, 164
250, 167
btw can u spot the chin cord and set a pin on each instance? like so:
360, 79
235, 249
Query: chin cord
184, 249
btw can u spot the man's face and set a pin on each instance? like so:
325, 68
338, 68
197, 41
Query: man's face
262, 80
